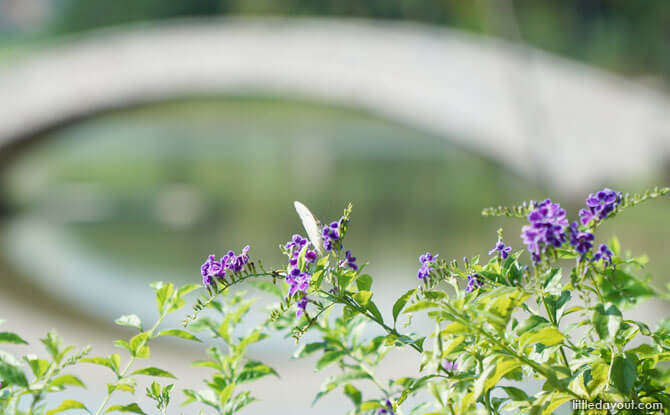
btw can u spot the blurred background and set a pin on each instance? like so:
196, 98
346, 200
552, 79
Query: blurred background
139, 136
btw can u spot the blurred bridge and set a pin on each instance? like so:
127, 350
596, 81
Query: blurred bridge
545, 117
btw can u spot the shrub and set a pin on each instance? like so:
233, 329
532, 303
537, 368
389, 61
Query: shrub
498, 324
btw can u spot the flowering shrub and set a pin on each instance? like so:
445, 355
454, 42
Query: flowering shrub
499, 324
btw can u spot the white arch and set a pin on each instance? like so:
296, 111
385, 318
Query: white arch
591, 126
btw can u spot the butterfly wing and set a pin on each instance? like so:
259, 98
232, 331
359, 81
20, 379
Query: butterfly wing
311, 224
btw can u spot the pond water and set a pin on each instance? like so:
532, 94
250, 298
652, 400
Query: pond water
147, 193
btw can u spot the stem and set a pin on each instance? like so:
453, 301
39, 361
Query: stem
123, 372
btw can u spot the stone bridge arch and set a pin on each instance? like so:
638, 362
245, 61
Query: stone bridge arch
541, 115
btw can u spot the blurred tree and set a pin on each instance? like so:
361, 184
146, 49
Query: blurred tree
622, 35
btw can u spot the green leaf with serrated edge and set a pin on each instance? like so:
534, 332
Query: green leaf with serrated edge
7, 337
330, 357
130, 408
67, 380
364, 282
400, 303
67, 405
130, 320
182, 334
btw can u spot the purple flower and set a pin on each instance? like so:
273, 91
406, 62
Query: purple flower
310, 256
599, 205
387, 408
546, 228
331, 234
450, 365
302, 306
474, 281
581, 241
296, 241
230, 261
427, 260
603, 254
502, 249
298, 281
349, 261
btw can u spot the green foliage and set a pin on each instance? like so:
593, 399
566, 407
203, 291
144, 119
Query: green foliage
560, 325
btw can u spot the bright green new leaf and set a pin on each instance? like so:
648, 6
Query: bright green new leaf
67, 405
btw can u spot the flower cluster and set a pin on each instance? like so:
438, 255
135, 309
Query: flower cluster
218, 269
599, 205
297, 278
581, 241
427, 261
450, 365
501, 249
331, 234
387, 408
603, 254
547, 228
349, 261
474, 281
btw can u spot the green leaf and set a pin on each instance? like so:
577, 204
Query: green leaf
515, 394
132, 408
52, 343
330, 357
7, 337
137, 343
364, 282
334, 381
67, 380
530, 323
420, 305
185, 289
179, 333
102, 361
153, 371
66, 405
624, 374
354, 394
226, 393
130, 320
308, 349
549, 336
400, 303
163, 293
10, 370
254, 370
606, 321
362, 297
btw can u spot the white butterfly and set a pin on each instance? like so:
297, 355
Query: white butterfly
311, 224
